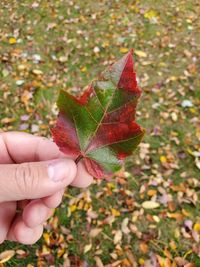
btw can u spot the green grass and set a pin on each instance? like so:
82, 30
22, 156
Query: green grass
168, 74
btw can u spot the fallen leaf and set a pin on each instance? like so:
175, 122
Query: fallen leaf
12, 40
87, 248
140, 53
98, 261
123, 50
94, 232
150, 205
5, 72
20, 82
143, 247
115, 212
124, 226
196, 227
117, 237
6, 255
37, 72
186, 104
7, 120
96, 49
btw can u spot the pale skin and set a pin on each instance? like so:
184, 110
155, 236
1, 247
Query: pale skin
33, 178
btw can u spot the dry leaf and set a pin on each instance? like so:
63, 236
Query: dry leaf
118, 237
124, 226
98, 261
140, 53
94, 232
150, 205
87, 248
6, 255
66, 263
37, 72
197, 227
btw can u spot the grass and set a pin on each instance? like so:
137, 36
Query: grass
65, 34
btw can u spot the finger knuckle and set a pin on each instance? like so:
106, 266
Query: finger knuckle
26, 179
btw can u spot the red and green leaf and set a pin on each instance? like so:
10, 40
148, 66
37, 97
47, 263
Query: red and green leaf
99, 126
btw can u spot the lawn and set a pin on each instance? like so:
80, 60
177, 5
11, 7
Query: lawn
50, 45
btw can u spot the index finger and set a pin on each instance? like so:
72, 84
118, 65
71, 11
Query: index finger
18, 147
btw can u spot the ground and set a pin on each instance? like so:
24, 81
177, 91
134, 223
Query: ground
148, 213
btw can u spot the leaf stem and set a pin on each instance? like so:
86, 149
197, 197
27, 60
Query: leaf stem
78, 159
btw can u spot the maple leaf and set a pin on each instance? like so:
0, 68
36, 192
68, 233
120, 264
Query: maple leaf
99, 126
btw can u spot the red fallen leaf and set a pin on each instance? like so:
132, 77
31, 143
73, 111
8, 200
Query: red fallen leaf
99, 126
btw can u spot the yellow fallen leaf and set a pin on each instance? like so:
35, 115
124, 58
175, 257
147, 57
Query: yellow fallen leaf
163, 159
197, 227
141, 261
140, 53
151, 192
84, 69
37, 72
172, 245
73, 208
60, 252
150, 204
87, 248
150, 14
193, 110
123, 50
161, 261
111, 185
6, 255
46, 238
115, 212
186, 213
12, 40
105, 44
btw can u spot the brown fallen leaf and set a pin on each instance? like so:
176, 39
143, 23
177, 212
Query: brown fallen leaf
189, 265
66, 263
98, 261
143, 247
118, 237
94, 232
124, 226
131, 258
7, 120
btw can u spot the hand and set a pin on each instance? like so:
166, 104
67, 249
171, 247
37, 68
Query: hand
33, 176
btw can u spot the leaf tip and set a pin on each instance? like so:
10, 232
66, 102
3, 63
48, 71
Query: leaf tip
131, 51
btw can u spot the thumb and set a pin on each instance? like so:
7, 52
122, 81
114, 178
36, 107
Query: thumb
35, 179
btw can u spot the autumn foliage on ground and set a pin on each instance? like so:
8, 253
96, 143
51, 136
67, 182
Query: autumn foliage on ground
148, 213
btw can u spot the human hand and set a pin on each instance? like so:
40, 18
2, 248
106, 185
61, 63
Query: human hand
33, 176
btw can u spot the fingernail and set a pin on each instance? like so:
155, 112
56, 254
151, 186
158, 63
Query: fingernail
57, 170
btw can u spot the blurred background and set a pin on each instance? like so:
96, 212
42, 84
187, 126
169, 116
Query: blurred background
149, 213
